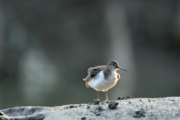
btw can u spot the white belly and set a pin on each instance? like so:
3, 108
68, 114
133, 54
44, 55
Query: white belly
101, 84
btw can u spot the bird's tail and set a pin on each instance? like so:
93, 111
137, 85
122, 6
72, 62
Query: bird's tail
87, 85
86, 82
85, 79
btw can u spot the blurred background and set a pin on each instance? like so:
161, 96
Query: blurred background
47, 46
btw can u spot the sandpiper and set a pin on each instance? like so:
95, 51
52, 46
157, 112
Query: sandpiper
102, 78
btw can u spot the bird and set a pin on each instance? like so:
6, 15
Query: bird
104, 77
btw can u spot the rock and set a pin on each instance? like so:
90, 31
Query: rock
100, 108
119, 98
98, 114
88, 106
158, 108
71, 106
113, 105
128, 97
123, 98
1, 114
140, 113
83, 118
96, 101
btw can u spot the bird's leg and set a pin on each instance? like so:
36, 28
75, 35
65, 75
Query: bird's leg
106, 95
98, 94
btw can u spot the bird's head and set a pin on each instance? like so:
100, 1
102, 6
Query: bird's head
114, 64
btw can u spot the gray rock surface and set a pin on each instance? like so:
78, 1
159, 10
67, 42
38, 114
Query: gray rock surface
125, 109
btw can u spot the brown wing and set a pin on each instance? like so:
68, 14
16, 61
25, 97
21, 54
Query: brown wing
99, 68
93, 71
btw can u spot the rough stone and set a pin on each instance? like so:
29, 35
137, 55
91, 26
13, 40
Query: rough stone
96, 101
113, 105
159, 108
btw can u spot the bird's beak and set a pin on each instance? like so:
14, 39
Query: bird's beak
122, 69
